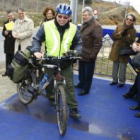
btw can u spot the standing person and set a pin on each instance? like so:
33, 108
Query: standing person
23, 30
123, 36
95, 14
60, 37
9, 42
48, 14
132, 93
136, 85
91, 34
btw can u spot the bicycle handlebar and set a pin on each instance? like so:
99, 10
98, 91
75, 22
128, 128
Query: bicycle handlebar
61, 58
52, 62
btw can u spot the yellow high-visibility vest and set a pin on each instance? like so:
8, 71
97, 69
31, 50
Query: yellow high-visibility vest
54, 46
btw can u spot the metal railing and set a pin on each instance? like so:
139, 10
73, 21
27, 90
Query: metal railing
104, 66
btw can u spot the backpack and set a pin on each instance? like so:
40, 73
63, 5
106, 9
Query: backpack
18, 66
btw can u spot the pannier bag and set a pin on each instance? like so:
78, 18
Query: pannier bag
18, 66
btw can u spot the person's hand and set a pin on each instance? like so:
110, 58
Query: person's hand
6, 32
136, 47
16, 35
125, 32
38, 54
71, 53
118, 34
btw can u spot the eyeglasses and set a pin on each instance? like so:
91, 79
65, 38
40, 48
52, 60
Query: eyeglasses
21, 13
129, 19
64, 17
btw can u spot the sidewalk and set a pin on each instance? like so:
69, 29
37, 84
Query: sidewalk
7, 87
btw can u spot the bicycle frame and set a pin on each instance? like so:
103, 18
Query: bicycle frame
56, 77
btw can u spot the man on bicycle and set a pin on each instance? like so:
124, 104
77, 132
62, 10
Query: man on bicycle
60, 36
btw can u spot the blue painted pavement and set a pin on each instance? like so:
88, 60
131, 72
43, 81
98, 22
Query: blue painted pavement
105, 116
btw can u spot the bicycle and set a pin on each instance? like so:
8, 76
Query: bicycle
29, 88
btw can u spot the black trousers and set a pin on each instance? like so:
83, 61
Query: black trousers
9, 58
86, 71
138, 88
135, 89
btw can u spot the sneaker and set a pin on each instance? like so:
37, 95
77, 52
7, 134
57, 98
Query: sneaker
74, 113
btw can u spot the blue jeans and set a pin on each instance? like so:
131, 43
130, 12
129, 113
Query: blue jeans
86, 71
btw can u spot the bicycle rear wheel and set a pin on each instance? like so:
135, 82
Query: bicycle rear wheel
25, 96
61, 108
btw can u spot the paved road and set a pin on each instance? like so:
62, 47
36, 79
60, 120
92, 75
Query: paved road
2, 56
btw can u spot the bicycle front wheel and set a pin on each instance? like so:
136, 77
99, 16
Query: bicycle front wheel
61, 108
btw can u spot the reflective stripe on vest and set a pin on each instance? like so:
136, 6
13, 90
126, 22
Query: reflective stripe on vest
52, 38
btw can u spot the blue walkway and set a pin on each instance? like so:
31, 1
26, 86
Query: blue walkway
105, 116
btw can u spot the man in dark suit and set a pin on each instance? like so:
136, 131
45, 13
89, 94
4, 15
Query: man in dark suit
9, 41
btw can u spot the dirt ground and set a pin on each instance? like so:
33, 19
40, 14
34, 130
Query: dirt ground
7, 87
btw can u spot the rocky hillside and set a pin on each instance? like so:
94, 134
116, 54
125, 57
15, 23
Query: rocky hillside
113, 13
109, 13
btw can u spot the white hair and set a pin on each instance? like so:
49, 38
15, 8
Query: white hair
88, 9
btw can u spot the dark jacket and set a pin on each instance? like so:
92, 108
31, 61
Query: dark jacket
91, 34
9, 42
123, 36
